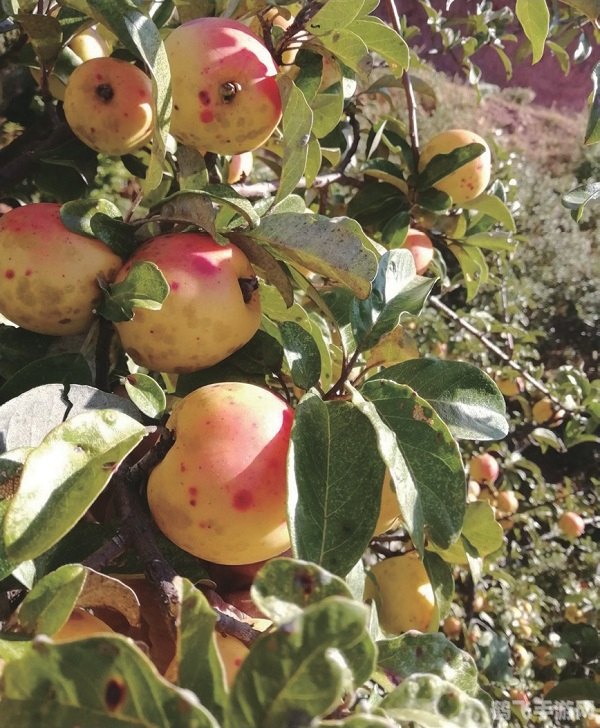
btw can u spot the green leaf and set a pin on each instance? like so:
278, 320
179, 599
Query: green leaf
534, 17
262, 258
77, 214
348, 47
297, 124
300, 670
482, 532
470, 266
442, 582
11, 467
57, 368
327, 108
411, 653
116, 234
301, 353
144, 287
490, 241
146, 394
44, 34
382, 39
579, 197
397, 290
101, 681
441, 165
63, 476
428, 700
331, 517
336, 248
19, 347
466, 399
494, 207
333, 15
423, 459
195, 640
592, 133
284, 587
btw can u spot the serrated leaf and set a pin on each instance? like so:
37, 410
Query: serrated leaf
435, 703
441, 165
482, 532
284, 587
55, 369
102, 680
63, 476
534, 17
464, 397
144, 287
423, 459
592, 133
195, 638
494, 207
330, 518
298, 671
146, 394
403, 656
396, 290
301, 353
334, 247
385, 41
297, 123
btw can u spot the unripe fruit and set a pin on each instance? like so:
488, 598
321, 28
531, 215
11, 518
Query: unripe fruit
49, 274
452, 627
240, 167
390, 515
421, 249
484, 468
220, 492
543, 412
90, 44
213, 307
80, 624
571, 524
403, 594
507, 502
233, 653
109, 105
470, 180
225, 94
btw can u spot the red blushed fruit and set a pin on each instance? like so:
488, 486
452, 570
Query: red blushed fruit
484, 468
421, 249
225, 94
571, 524
220, 492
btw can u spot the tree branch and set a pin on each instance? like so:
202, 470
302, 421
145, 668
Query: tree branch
260, 190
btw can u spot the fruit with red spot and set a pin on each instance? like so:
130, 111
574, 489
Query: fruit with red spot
233, 653
81, 624
220, 492
571, 524
421, 248
403, 594
484, 468
109, 106
468, 181
213, 307
50, 274
225, 94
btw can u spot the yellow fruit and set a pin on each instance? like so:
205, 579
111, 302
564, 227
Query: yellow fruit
473, 490
510, 387
574, 615
571, 524
507, 502
390, 515
225, 95
79, 625
233, 653
543, 412
49, 274
220, 492
452, 627
543, 656
90, 44
470, 180
213, 307
240, 167
403, 594
109, 106
421, 249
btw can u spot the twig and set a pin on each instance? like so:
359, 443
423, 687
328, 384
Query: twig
227, 623
346, 369
261, 190
109, 552
347, 158
449, 313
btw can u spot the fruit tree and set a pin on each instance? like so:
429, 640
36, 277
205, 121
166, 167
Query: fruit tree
282, 443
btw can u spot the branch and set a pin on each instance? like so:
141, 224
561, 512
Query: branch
260, 190
449, 313
351, 112
106, 554
230, 620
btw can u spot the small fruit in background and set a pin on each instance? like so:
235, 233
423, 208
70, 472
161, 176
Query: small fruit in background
109, 106
521, 656
225, 94
548, 685
50, 274
574, 614
571, 524
467, 182
213, 307
239, 167
542, 656
81, 624
545, 413
473, 490
591, 721
220, 492
401, 589
519, 696
233, 653
421, 248
510, 387
507, 502
484, 468
452, 627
